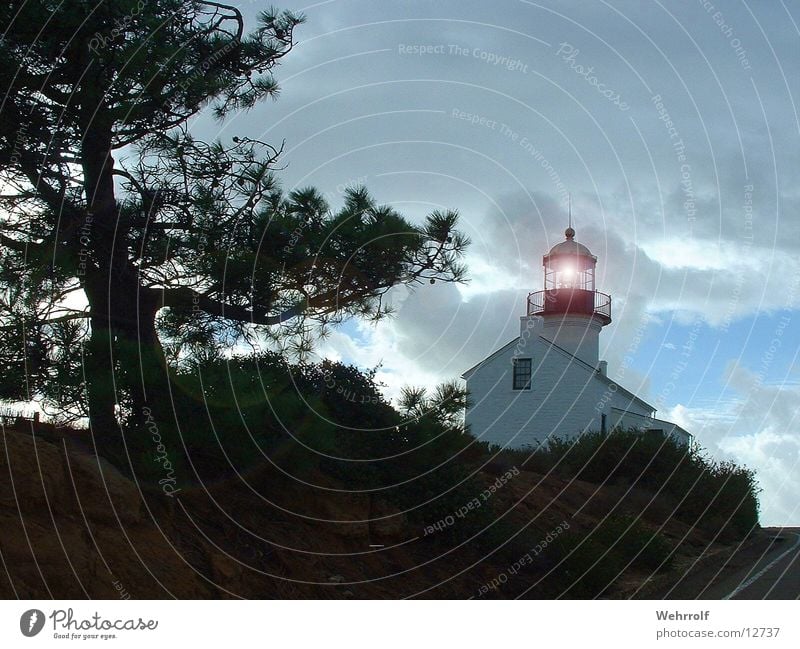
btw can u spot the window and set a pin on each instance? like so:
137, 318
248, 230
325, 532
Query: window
522, 373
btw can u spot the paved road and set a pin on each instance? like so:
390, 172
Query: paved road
768, 569
776, 576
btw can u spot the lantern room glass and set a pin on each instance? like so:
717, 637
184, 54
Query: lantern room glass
569, 272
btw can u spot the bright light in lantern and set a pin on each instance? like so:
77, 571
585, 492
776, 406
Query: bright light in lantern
568, 276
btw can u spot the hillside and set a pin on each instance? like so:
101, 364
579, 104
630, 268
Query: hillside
73, 527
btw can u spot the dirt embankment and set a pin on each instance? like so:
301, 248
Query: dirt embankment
72, 526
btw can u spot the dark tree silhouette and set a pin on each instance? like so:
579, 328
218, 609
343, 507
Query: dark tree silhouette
126, 242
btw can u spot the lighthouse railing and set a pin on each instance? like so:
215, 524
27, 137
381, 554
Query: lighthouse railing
602, 304
568, 300
536, 302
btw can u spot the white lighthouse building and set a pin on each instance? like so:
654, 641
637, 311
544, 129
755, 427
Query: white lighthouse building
549, 381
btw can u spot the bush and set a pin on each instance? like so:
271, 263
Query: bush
636, 545
576, 570
719, 497
724, 501
326, 417
586, 565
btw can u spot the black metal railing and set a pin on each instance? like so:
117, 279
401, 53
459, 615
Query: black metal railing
536, 303
602, 304
566, 300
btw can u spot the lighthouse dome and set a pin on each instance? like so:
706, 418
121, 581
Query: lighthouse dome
569, 247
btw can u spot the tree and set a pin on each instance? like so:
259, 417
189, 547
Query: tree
446, 406
126, 241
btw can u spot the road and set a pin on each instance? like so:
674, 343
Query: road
766, 569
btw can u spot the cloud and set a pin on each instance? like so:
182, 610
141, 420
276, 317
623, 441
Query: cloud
759, 429
435, 335
720, 248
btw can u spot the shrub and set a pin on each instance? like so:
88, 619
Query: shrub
575, 569
330, 417
636, 545
719, 497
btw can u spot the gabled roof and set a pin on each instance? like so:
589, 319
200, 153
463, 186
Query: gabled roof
600, 376
674, 427
469, 372
572, 358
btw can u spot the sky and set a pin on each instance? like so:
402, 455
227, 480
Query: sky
673, 127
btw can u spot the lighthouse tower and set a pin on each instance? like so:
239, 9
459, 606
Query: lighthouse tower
548, 382
572, 311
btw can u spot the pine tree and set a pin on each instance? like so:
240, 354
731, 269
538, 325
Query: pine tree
126, 241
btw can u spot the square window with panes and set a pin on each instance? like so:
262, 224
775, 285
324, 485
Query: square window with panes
522, 373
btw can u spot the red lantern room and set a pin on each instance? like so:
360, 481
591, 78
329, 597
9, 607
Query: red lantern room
569, 283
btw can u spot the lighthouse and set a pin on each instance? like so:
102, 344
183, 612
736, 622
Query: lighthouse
549, 381
572, 311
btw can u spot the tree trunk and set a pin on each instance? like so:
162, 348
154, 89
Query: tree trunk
126, 363
144, 364
100, 379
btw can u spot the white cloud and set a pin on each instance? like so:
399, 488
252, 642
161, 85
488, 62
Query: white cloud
660, 267
759, 430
